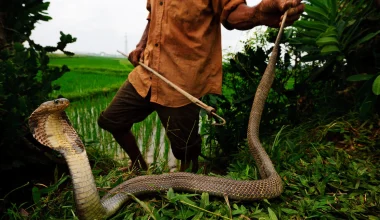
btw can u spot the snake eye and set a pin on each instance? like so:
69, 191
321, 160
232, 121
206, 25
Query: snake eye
56, 101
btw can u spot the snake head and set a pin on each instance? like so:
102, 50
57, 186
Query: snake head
53, 106
38, 118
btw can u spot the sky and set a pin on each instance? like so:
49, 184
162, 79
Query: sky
103, 27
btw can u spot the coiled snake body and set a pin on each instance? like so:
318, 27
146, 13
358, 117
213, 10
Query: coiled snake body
51, 127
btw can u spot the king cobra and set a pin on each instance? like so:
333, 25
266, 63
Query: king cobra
50, 126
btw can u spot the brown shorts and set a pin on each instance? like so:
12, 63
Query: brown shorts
181, 124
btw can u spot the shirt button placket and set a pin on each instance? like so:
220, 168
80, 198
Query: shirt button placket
156, 60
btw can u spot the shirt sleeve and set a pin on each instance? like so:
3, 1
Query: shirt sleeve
223, 8
148, 7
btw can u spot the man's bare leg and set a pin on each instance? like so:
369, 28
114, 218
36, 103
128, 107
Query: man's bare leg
128, 142
186, 164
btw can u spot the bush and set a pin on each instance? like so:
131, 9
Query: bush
25, 79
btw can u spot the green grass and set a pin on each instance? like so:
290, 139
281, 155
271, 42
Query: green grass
80, 84
329, 169
105, 64
90, 76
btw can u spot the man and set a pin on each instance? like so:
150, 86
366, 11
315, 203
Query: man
182, 41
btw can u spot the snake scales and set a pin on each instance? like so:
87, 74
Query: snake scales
51, 127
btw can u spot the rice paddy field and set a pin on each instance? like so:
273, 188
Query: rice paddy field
90, 86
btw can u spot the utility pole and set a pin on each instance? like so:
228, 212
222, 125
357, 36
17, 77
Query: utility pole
126, 44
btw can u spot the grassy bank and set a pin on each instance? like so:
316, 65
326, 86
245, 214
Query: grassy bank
329, 169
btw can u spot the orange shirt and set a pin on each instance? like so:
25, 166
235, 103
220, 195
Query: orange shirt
184, 45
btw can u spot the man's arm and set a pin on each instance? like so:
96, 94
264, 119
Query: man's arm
268, 12
135, 55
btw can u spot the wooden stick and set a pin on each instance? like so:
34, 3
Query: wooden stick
209, 109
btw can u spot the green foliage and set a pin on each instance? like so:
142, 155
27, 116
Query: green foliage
341, 37
375, 79
241, 81
25, 77
37, 193
21, 17
332, 29
376, 86
242, 74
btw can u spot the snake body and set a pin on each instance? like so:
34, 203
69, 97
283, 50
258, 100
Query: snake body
51, 127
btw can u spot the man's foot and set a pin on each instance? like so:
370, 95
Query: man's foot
186, 165
128, 142
138, 165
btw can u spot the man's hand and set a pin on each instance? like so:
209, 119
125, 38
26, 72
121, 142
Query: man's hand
135, 55
270, 12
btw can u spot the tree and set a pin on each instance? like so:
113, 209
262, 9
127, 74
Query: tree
25, 81
342, 38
